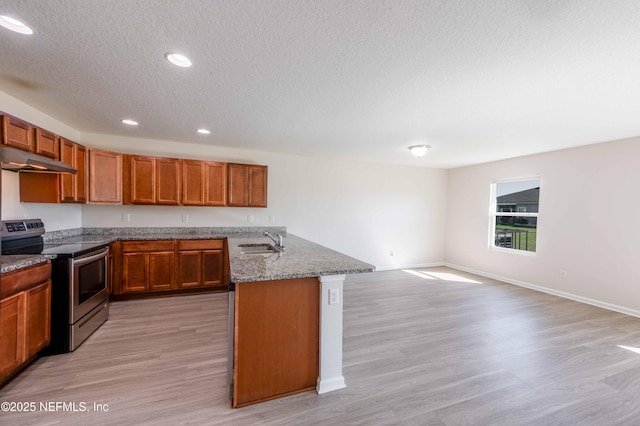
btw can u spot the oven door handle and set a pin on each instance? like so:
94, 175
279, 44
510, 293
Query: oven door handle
83, 260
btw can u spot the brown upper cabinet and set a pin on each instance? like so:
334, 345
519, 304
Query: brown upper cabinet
247, 185
54, 187
204, 183
73, 188
105, 177
151, 180
47, 143
17, 133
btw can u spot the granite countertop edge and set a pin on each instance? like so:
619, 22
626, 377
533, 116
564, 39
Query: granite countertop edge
16, 262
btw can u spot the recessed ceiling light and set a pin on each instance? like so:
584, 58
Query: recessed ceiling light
130, 122
178, 59
15, 25
203, 131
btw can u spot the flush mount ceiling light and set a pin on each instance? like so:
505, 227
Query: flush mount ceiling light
178, 60
203, 131
419, 150
130, 122
15, 25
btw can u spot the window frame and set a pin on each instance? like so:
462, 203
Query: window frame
494, 214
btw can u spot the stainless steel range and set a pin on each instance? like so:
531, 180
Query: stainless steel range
79, 296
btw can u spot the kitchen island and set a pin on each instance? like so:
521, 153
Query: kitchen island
285, 318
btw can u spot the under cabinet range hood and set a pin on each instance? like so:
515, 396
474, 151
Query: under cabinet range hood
22, 161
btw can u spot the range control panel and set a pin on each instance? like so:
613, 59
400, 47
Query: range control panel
13, 229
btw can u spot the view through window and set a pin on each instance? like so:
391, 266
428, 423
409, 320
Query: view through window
515, 214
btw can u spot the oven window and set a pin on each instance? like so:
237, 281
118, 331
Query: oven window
91, 279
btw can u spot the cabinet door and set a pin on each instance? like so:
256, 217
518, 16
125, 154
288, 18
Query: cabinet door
193, 187
190, 269
38, 322
167, 181
212, 268
215, 184
143, 170
105, 177
257, 186
161, 270
67, 181
46, 143
237, 189
12, 331
17, 133
135, 272
73, 188
80, 179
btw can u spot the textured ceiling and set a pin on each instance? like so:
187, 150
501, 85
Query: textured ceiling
358, 79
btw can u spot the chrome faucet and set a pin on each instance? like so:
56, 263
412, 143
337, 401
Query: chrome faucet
277, 240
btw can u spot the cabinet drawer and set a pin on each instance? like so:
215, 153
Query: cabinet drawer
16, 281
200, 244
164, 245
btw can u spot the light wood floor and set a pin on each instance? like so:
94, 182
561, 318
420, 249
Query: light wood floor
426, 347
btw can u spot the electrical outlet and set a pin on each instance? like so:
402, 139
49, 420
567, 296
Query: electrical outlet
185, 218
272, 218
334, 296
126, 217
391, 253
250, 218
563, 274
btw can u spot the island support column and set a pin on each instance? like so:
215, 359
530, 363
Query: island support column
330, 375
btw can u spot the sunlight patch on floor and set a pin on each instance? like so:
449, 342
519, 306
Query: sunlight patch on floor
630, 348
444, 276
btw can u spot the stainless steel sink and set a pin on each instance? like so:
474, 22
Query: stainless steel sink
257, 249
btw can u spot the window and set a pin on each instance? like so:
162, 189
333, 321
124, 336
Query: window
514, 218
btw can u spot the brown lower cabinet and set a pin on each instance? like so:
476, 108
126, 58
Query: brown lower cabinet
201, 263
25, 317
154, 267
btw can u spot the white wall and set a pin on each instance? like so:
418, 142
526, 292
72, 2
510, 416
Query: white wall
589, 203
363, 210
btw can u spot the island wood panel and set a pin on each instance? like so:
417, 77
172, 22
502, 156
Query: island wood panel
276, 339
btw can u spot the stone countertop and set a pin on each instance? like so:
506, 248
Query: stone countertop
18, 261
300, 259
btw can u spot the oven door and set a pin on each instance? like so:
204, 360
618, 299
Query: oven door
88, 283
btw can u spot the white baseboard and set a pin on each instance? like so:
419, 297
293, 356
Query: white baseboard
581, 299
417, 265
